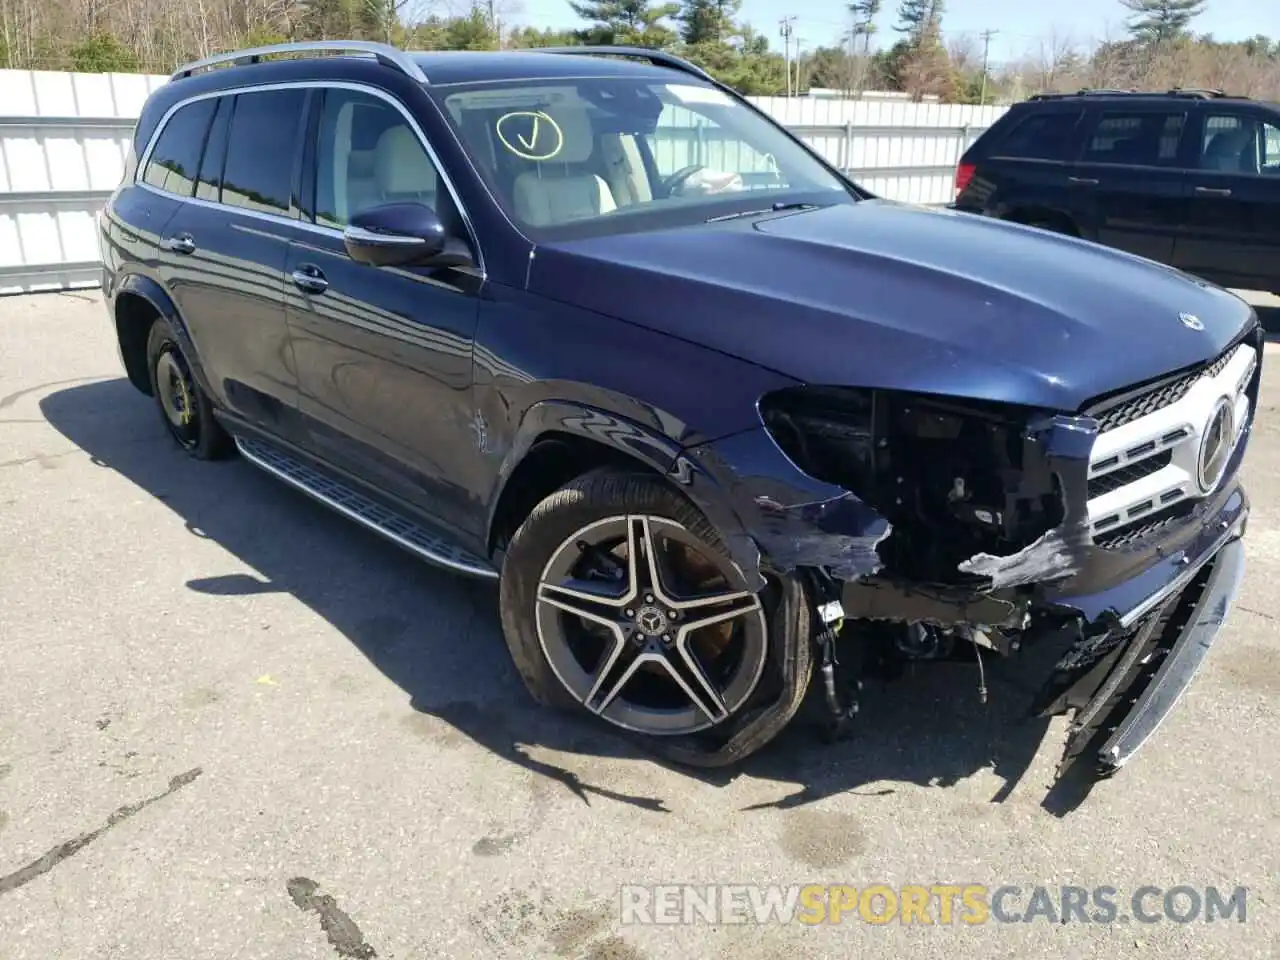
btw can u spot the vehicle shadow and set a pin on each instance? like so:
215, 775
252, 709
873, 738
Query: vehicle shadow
437, 636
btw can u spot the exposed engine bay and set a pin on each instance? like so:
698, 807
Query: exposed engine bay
989, 544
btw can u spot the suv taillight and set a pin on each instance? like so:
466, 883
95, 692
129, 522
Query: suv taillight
964, 173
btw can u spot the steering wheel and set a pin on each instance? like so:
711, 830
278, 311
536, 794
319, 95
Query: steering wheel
676, 179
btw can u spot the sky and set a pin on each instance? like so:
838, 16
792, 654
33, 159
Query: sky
1021, 22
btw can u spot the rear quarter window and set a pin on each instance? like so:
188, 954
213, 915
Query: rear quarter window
176, 156
1041, 136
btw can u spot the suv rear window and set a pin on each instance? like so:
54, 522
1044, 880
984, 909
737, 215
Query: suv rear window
1042, 136
1147, 138
176, 155
260, 150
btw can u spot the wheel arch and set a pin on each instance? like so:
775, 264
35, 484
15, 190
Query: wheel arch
138, 302
1031, 214
560, 440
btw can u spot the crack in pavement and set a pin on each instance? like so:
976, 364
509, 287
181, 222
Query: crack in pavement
342, 932
1258, 613
41, 866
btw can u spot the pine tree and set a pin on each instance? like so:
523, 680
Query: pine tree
626, 22
864, 13
707, 21
1156, 22
917, 17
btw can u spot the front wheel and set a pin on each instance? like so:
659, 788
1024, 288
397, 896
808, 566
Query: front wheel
618, 598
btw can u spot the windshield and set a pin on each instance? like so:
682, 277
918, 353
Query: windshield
586, 157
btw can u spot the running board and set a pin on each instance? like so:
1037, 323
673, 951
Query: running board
351, 503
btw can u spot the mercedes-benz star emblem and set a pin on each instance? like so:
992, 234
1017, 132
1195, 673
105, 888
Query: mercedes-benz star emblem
1215, 448
651, 621
1191, 321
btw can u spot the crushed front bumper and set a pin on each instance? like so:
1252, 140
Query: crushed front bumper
1153, 652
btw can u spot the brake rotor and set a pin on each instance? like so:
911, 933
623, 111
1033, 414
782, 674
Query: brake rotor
696, 574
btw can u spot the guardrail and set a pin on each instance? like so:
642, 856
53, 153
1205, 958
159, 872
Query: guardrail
63, 149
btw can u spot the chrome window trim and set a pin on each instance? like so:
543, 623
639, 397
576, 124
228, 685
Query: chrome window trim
361, 235
299, 222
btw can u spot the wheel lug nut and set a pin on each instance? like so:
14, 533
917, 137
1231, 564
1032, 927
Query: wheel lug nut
648, 598
672, 614
629, 613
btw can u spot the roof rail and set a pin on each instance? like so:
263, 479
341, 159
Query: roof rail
384, 53
1083, 93
1196, 92
656, 57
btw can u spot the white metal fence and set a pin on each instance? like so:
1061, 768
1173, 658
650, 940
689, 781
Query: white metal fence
64, 138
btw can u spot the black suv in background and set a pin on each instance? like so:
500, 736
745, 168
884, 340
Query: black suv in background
589, 323
1189, 178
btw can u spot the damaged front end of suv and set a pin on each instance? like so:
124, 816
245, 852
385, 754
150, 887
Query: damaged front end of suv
929, 527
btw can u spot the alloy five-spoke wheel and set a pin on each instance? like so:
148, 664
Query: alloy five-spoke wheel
648, 628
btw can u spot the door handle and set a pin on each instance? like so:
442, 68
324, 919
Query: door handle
182, 243
1083, 181
310, 279
1214, 191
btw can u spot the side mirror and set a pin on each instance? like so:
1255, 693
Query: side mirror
402, 235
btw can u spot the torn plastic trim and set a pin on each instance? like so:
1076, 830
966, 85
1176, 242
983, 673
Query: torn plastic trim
770, 514
1057, 447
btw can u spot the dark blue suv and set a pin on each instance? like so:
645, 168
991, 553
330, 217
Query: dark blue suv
720, 421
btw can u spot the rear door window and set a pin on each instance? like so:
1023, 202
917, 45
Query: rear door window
261, 150
176, 155
1044, 136
1136, 138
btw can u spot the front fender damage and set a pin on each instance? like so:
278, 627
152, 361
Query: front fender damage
838, 543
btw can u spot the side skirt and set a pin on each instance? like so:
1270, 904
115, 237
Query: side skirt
345, 499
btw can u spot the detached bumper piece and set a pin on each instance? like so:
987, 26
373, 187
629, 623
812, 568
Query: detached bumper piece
1150, 664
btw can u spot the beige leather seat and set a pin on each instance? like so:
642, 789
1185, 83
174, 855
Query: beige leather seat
402, 169
552, 192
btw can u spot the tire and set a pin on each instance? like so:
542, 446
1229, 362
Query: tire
184, 408
703, 694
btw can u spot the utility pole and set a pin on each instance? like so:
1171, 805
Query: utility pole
799, 65
986, 59
862, 27
786, 32
493, 22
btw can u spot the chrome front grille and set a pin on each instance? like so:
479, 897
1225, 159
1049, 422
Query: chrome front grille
1128, 409
1145, 465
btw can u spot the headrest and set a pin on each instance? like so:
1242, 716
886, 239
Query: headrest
402, 165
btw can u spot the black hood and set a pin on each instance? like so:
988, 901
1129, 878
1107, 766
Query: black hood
879, 294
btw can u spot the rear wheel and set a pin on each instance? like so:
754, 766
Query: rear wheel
184, 408
619, 599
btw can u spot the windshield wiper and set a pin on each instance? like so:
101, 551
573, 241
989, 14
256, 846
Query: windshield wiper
778, 207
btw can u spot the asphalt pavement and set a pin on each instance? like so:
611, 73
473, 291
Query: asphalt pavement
234, 725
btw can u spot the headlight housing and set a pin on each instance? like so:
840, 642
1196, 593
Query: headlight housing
948, 474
